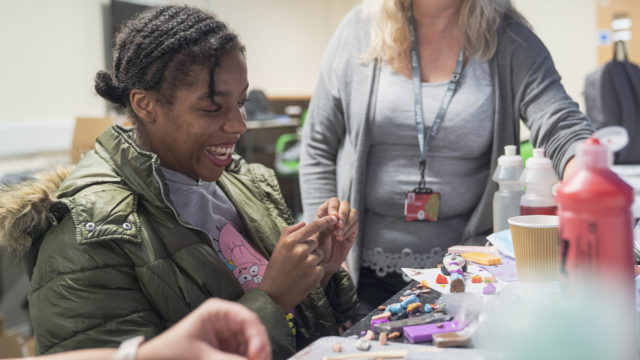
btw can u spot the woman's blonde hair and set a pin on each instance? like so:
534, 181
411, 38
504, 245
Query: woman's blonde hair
391, 42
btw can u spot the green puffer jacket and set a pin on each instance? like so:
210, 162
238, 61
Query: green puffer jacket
111, 259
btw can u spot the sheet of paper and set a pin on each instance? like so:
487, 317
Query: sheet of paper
502, 241
505, 271
430, 275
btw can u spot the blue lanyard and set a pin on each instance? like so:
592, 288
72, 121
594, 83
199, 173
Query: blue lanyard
417, 95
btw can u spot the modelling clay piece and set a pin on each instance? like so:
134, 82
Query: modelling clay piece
415, 307
481, 258
363, 345
394, 335
452, 262
489, 289
423, 284
409, 300
394, 308
370, 335
382, 307
441, 279
384, 315
337, 347
425, 291
457, 285
375, 322
450, 339
383, 339
476, 279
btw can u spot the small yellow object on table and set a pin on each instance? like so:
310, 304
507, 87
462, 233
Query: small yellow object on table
482, 258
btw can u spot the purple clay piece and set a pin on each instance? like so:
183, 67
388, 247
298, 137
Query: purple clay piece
422, 333
378, 321
489, 289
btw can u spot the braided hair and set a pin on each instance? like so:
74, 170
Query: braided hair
156, 50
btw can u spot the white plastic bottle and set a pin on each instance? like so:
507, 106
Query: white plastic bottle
506, 201
538, 177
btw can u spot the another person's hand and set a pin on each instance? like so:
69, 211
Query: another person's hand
217, 329
570, 168
335, 243
294, 268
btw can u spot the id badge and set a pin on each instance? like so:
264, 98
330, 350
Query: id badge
421, 205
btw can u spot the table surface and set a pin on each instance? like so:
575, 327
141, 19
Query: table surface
365, 323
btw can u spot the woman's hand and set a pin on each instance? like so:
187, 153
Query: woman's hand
336, 242
217, 329
294, 268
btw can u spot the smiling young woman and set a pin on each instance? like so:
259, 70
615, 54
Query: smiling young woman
163, 216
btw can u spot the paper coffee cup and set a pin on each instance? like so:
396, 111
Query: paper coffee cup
535, 243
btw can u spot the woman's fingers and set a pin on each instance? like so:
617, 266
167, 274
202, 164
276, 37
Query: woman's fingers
302, 234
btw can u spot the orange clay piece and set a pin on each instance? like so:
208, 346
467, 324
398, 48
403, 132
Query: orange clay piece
441, 279
482, 258
383, 338
370, 335
382, 307
384, 315
414, 307
423, 284
394, 335
476, 279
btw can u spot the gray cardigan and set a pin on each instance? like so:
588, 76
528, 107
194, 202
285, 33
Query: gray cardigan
335, 138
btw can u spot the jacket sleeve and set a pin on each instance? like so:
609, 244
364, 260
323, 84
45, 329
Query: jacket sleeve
274, 320
554, 119
342, 296
323, 132
86, 295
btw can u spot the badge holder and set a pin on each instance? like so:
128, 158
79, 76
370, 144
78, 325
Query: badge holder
421, 204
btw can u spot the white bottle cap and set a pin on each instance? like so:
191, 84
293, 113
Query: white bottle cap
510, 158
539, 169
614, 137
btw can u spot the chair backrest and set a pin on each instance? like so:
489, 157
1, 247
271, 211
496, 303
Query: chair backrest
86, 131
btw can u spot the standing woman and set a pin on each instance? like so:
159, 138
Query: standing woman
420, 97
162, 217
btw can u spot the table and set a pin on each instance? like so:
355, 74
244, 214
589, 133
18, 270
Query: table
365, 323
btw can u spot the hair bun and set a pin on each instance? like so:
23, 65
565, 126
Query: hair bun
106, 88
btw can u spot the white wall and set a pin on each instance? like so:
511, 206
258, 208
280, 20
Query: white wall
568, 29
53, 48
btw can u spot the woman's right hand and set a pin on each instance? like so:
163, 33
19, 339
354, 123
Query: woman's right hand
294, 269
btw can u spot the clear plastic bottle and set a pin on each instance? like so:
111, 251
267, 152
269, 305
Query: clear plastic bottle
506, 201
538, 177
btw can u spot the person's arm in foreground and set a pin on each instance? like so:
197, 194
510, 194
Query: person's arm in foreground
217, 329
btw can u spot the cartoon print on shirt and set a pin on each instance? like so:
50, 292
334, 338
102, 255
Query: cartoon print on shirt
249, 264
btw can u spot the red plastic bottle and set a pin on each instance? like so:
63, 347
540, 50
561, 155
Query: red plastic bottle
595, 218
596, 241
